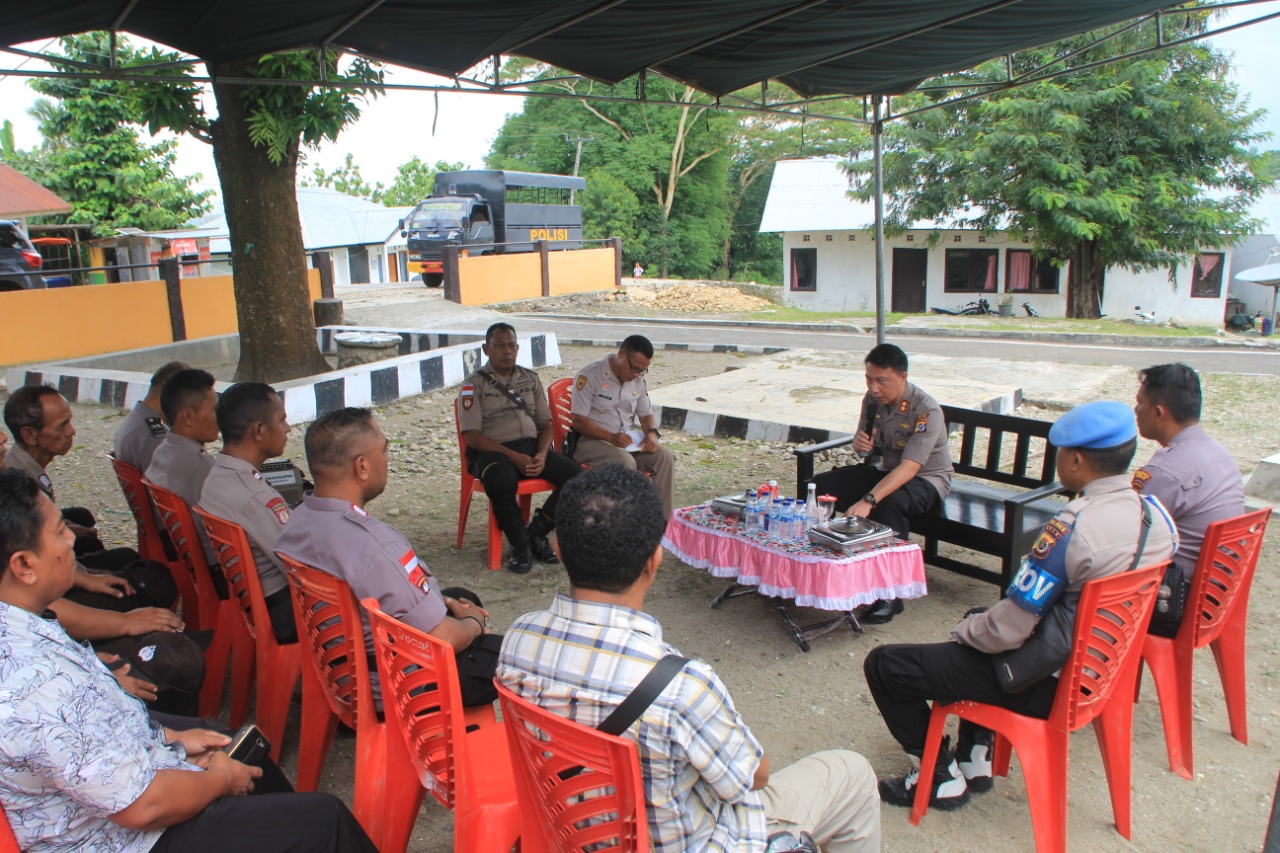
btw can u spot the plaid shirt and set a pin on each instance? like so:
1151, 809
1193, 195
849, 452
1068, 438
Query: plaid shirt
698, 758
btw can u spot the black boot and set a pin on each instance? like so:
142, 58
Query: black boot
520, 560
974, 750
948, 789
539, 528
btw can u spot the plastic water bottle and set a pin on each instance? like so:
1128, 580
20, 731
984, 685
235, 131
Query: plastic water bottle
811, 514
751, 515
800, 525
773, 521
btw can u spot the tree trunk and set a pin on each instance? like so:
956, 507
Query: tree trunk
1084, 282
273, 305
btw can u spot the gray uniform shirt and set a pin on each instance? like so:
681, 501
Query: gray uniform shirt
139, 436
235, 491
1101, 529
21, 460
374, 558
612, 405
914, 430
487, 410
181, 466
1198, 482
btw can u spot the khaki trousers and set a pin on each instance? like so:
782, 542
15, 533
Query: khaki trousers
660, 465
832, 796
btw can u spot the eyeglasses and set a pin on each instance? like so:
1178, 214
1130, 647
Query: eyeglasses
635, 370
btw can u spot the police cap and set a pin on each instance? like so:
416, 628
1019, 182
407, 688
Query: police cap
1099, 425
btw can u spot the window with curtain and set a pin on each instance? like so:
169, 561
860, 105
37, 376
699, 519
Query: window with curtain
804, 269
1025, 273
971, 270
1206, 276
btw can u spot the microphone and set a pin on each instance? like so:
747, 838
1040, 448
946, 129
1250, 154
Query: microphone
869, 419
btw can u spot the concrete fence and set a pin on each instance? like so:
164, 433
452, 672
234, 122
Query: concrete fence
488, 279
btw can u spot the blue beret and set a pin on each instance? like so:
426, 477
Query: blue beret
1095, 426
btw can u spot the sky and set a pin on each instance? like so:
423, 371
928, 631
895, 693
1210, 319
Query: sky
399, 125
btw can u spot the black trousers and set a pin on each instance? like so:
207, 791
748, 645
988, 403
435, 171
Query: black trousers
478, 662
266, 823
850, 483
905, 677
152, 582
500, 479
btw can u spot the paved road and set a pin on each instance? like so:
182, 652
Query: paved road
1208, 360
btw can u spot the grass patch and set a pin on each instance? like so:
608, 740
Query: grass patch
789, 314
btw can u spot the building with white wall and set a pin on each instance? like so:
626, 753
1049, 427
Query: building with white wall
1256, 251
829, 261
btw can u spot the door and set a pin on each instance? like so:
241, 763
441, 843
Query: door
909, 280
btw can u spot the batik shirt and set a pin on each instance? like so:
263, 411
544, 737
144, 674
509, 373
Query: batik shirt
74, 747
698, 758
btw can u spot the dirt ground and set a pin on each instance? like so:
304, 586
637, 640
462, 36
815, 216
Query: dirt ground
797, 703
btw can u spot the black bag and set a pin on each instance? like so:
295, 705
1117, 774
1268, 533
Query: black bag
1175, 587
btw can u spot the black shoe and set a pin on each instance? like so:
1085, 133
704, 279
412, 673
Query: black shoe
542, 550
882, 611
973, 756
520, 561
949, 788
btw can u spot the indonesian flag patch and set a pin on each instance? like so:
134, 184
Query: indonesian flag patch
417, 574
467, 396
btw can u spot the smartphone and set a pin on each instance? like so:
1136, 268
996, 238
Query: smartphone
248, 746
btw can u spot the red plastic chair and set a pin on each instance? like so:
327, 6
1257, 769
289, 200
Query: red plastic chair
468, 772
560, 396
277, 666
214, 612
1111, 621
336, 687
525, 491
151, 546
564, 812
8, 843
1216, 613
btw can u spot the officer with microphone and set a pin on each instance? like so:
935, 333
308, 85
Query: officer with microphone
902, 436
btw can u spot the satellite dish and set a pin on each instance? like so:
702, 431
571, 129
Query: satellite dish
1268, 274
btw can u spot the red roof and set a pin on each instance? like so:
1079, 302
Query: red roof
21, 197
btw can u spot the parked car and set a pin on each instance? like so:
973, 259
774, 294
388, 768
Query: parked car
19, 261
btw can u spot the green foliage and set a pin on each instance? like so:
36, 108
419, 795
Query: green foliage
345, 179
92, 156
1138, 163
414, 181
1268, 166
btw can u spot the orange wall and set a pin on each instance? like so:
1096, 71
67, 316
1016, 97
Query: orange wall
70, 322
503, 278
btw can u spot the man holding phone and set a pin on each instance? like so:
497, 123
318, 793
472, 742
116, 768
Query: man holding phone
83, 766
903, 428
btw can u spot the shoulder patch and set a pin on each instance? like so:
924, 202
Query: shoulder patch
582, 382
280, 508
1140, 478
467, 396
1053, 531
922, 422
414, 569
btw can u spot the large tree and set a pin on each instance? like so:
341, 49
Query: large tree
1137, 163
92, 156
256, 139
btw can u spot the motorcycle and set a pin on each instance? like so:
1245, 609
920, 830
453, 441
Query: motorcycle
981, 307
1031, 312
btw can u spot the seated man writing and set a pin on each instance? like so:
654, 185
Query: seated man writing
708, 785
82, 766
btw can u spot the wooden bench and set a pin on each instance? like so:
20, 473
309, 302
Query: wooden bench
990, 519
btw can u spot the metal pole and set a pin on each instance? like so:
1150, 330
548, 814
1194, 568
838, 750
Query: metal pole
877, 136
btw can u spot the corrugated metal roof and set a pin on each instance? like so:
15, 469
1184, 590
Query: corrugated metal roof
813, 195
21, 197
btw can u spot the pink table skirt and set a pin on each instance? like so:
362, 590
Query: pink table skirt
813, 576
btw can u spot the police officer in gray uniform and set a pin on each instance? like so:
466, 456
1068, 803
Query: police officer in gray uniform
1096, 535
254, 428
143, 428
1194, 476
903, 428
332, 531
610, 398
505, 419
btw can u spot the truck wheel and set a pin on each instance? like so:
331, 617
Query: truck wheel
433, 279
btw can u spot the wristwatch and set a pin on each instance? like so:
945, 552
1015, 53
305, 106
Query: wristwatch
655, 432
871, 499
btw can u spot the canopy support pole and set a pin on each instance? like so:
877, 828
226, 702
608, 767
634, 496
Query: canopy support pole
877, 136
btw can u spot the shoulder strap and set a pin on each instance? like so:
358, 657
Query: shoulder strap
1142, 533
643, 695
506, 389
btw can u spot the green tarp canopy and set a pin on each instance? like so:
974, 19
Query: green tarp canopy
818, 47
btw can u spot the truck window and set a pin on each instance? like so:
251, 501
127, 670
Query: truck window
437, 213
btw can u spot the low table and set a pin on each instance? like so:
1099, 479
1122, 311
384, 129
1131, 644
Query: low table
809, 575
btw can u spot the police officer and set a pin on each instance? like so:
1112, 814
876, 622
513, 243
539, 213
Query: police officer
505, 419
40, 420
903, 437
610, 398
1194, 476
333, 531
143, 428
1096, 535
254, 428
